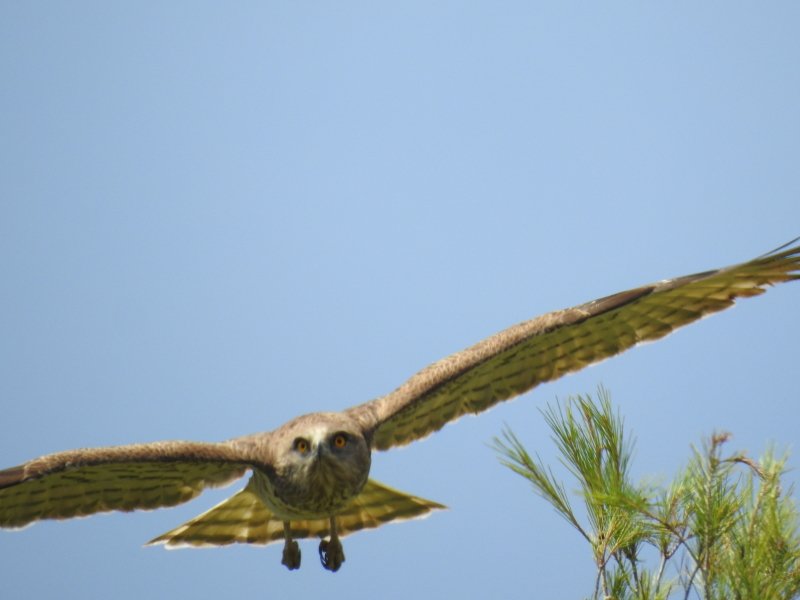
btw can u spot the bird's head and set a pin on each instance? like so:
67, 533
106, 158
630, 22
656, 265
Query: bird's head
322, 454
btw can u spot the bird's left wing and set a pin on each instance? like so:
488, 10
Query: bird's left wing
547, 347
77, 483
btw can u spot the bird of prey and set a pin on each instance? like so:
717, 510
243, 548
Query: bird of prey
310, 477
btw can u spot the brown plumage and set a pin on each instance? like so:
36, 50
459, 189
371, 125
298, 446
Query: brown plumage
310, 476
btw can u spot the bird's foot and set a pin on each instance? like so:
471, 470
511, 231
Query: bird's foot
331, 554
291, 555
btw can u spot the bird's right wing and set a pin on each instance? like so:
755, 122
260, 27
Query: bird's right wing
243, 518
82, 482
545, 348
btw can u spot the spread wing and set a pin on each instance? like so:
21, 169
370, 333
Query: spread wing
547, 347
244, 518
142, 476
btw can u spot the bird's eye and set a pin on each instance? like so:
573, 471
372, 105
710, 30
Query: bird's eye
302, 446
340, 440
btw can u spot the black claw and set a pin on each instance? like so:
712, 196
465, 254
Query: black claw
291, 555
331, 554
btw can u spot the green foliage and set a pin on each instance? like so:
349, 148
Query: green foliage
724, 528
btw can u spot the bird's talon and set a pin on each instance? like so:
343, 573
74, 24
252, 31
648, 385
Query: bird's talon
331, 554
291, 555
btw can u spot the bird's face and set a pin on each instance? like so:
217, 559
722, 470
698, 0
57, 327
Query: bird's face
326, 448
324, 462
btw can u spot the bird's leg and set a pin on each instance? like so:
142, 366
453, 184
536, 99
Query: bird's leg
331, 554
291, 549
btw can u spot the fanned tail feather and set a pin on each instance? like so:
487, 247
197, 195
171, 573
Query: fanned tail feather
243, 518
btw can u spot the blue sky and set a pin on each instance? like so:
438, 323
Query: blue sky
217, 216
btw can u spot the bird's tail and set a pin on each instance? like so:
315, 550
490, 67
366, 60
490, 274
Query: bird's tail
243, 518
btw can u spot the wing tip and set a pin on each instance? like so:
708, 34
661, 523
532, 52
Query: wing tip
787, 249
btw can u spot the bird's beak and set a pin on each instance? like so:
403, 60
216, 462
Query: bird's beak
322, 451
